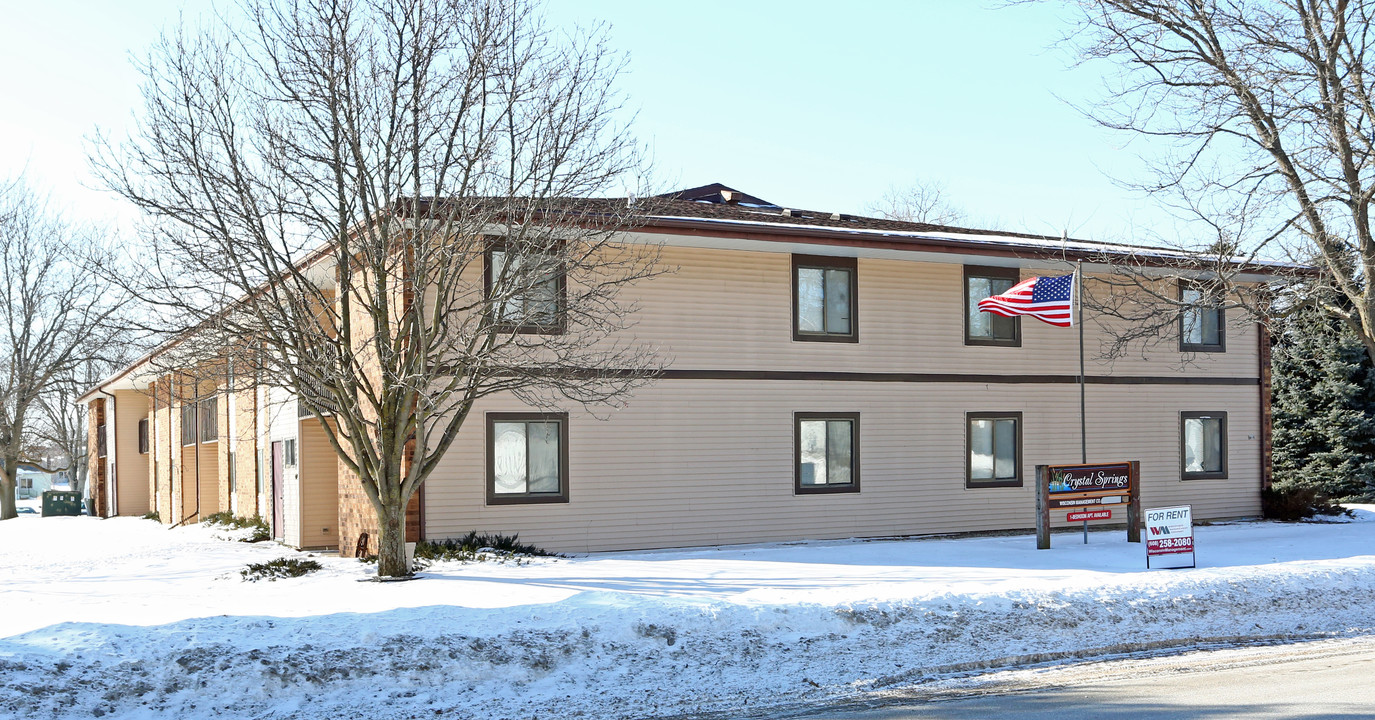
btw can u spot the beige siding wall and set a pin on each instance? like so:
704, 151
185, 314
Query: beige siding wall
694, 462
131, 467
732, 310
705, 462
319, 474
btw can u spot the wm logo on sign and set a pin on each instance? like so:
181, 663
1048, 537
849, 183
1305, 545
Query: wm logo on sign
1163, 530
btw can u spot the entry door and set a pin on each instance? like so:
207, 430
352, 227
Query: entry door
278, 468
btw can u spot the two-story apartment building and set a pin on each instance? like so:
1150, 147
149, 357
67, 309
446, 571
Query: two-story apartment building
830, 376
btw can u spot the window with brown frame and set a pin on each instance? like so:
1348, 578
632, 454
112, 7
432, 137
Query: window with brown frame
143, 436
527, 458
825, 298
209, 420
188, 423
825, 453
993, 449
530, 290
1202, 323
1203, 445
981, 328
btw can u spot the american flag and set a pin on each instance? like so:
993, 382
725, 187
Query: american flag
1048, 299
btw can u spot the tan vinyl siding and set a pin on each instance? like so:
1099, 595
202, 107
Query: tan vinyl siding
732, 310
319, 479
131, 467
707, 462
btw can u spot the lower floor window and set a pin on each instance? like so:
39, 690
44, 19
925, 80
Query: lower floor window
994, 457
527, 457
1203, 440
827, 452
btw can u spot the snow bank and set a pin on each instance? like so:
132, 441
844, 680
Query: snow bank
123, 618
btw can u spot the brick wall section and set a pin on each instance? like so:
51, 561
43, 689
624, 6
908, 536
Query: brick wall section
222, 448
246, 447
95, 465
165, 449
356, 515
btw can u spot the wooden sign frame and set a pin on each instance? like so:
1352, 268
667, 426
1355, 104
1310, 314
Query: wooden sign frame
1043, 499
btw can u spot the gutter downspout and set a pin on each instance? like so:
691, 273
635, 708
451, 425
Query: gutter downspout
153, 448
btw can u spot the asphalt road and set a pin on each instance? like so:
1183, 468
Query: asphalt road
1323, 679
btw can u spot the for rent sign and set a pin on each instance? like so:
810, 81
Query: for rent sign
1170, 537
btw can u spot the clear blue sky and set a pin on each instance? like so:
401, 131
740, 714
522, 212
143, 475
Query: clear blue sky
814, 105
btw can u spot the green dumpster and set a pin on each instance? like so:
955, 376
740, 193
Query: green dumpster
61, 502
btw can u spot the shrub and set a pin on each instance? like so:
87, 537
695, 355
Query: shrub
260, 533
474, 547
219, 518
279, 568
151, 516
1297, 502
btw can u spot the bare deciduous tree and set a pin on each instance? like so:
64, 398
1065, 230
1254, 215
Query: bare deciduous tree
924, 201
55, 316
1266, 111
381, 206
61, 423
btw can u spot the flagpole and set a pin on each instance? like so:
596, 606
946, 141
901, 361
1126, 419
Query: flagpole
1079, 320
1083, 414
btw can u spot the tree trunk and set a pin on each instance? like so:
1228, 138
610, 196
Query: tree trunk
8, 509
78, 478
391, 546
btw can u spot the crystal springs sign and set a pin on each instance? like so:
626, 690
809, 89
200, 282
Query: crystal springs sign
1080, 485
1088, 492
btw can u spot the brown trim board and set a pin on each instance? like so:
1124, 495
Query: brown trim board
892, 377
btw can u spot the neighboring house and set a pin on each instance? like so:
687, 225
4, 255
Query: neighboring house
828, 380
31, 481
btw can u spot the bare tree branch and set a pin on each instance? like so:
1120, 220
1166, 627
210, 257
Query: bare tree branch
382, 206
55, 317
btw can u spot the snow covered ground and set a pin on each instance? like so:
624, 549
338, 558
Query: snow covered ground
124, 618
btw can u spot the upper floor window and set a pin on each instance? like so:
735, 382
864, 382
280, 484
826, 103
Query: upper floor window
209, 420
188, 422
994, 449
827, 452
526, 291
1201, 321
981, 328
1203, 445
825, 300
527, 458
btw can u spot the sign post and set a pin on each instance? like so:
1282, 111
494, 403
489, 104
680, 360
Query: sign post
1170, 538
1089, 492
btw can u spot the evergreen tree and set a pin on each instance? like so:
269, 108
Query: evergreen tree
1324, 408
